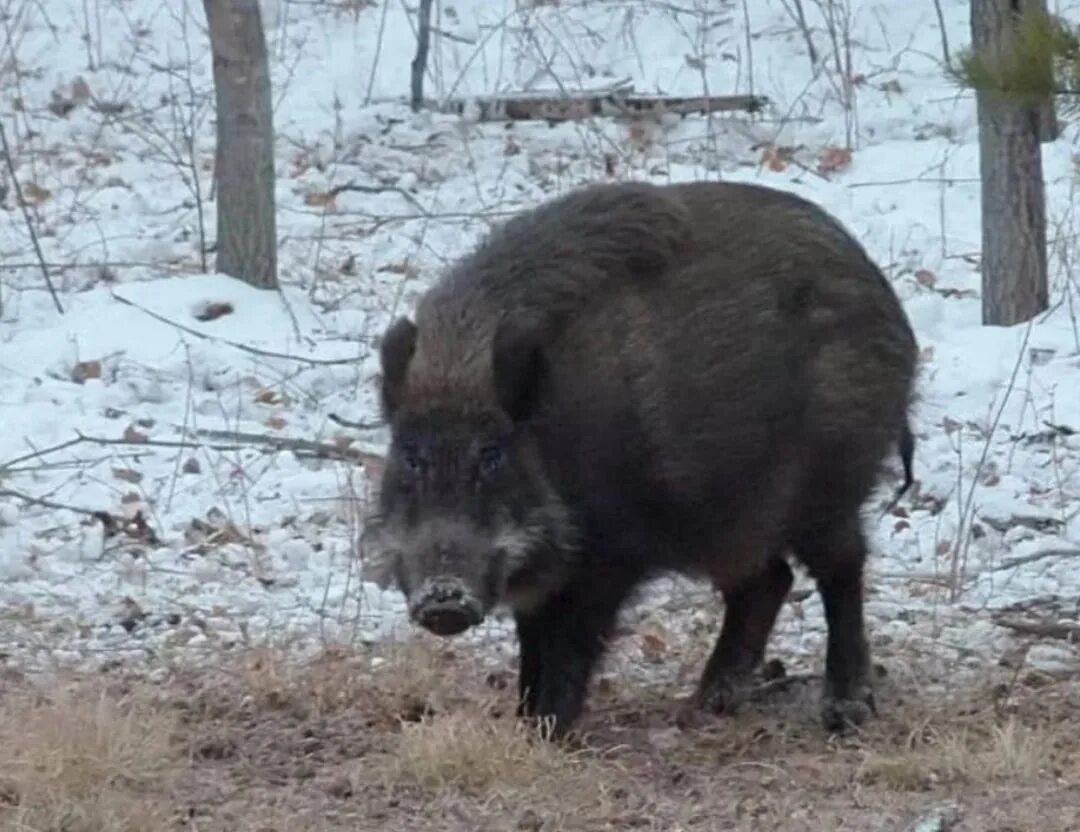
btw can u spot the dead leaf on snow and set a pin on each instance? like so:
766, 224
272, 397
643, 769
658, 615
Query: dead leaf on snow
404, 268
925, 277
271, 397
777, 158
85, 370
833, 159
213, 310
127, 475
35, 193
131, 434
320, 199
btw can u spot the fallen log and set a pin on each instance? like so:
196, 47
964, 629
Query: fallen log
580, 106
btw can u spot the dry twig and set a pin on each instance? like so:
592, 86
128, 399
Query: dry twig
26, 216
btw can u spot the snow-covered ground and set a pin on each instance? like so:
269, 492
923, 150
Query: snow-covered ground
250, 543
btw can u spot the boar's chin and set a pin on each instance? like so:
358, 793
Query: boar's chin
535, 565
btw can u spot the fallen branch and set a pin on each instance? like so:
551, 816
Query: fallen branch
135, 527
323, 450
158, 443
1043, 628
1010, 563
45, 502
333, 417
240, 441
581, 106
379, 189
11, 463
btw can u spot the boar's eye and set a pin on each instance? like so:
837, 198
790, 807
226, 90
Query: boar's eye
410, 457
491, 458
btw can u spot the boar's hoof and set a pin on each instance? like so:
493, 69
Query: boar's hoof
719, 696
725, 694
840, 716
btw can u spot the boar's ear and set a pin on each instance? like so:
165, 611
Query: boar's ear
395, 353
518, 365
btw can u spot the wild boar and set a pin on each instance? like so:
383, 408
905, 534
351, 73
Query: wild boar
704, 378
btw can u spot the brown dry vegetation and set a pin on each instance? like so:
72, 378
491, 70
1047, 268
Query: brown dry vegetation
419, 739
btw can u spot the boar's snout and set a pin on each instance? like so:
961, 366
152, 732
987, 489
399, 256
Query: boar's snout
445, 607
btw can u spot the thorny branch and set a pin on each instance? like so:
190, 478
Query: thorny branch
320, 362
229, 441
238, 441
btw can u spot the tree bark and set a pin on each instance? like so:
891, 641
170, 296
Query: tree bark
1014, 270
246, 220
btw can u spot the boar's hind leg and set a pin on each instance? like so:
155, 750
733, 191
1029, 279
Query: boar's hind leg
836, 557
749, 615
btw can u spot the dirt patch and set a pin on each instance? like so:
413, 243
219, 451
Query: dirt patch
415, 739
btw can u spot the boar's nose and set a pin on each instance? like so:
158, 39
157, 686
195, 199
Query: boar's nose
446, 607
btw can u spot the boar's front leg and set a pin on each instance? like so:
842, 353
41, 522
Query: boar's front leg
530, 647
559, 646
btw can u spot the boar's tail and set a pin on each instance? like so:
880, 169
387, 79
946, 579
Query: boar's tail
906, 447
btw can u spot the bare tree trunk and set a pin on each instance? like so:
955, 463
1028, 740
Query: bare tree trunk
1014, 272
246, 221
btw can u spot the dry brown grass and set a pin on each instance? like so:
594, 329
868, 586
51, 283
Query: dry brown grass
414, 739
473, 752
978, 754
400, 681
85, 760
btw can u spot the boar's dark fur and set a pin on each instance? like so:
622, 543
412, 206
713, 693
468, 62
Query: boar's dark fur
703, 378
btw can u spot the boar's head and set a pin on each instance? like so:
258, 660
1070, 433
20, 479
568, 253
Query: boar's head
466, 519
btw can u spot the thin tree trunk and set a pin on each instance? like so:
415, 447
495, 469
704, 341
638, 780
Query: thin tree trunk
1014, 271
246, 221
419, 62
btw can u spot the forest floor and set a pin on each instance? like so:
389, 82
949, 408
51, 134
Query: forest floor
423, 738
187, 638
